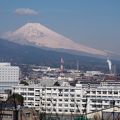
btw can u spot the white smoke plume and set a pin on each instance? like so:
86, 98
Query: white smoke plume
109, 64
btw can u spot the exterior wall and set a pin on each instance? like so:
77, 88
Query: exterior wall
103, 98
69, 99
63, 99
23, 114
9, 75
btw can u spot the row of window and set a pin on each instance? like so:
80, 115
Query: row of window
102, 92
60, 90
60, 94
105, 101
61, 110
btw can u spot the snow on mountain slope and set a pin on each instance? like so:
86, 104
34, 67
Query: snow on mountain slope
39, 35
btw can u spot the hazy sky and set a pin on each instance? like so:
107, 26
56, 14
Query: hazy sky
95, 23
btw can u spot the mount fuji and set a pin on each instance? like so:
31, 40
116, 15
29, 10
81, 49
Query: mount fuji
38, 35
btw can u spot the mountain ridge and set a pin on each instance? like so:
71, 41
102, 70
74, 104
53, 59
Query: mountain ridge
41, 36
23, 54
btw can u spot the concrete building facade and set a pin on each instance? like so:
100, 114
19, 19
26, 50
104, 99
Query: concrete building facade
68, 99
9, 76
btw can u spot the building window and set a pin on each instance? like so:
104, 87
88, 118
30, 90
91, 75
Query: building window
30, 98
66, 100
22, 93
104, 92
30, 89
78, 100
66, 105
48, 93
78, 95
60, 105
71, 110
60, 99
60, 110
48, 104
60, 94
72, 90
32, 94
66, 95
93, 101
54, 109
99, 92
65, 110
66, 90
99, 101
37, 90
115, 92
54, 94
71, 105
94, 92
72, 95
109, 92
54, 99
60, 90
54, 104
72, 100
78, 110
88, 92
84, 100
48, 99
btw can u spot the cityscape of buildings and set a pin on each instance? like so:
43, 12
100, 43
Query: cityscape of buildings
59, 60
60, 91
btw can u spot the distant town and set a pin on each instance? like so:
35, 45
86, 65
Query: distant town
31, 92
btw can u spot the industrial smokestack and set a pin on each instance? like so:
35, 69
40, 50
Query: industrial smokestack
62, 65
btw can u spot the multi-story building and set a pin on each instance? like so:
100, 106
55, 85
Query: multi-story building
66, 99
102, 97
9, 76
55, 99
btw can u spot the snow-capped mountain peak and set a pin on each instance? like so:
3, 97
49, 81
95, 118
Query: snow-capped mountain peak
39, 35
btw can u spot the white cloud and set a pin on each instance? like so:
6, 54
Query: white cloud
25, 11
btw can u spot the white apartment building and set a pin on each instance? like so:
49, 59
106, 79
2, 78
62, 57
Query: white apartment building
68, 99
55, 99
102, 97
9, 76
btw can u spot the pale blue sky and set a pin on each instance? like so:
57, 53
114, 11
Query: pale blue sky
95, 23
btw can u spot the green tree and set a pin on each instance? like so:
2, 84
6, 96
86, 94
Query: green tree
15, 99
